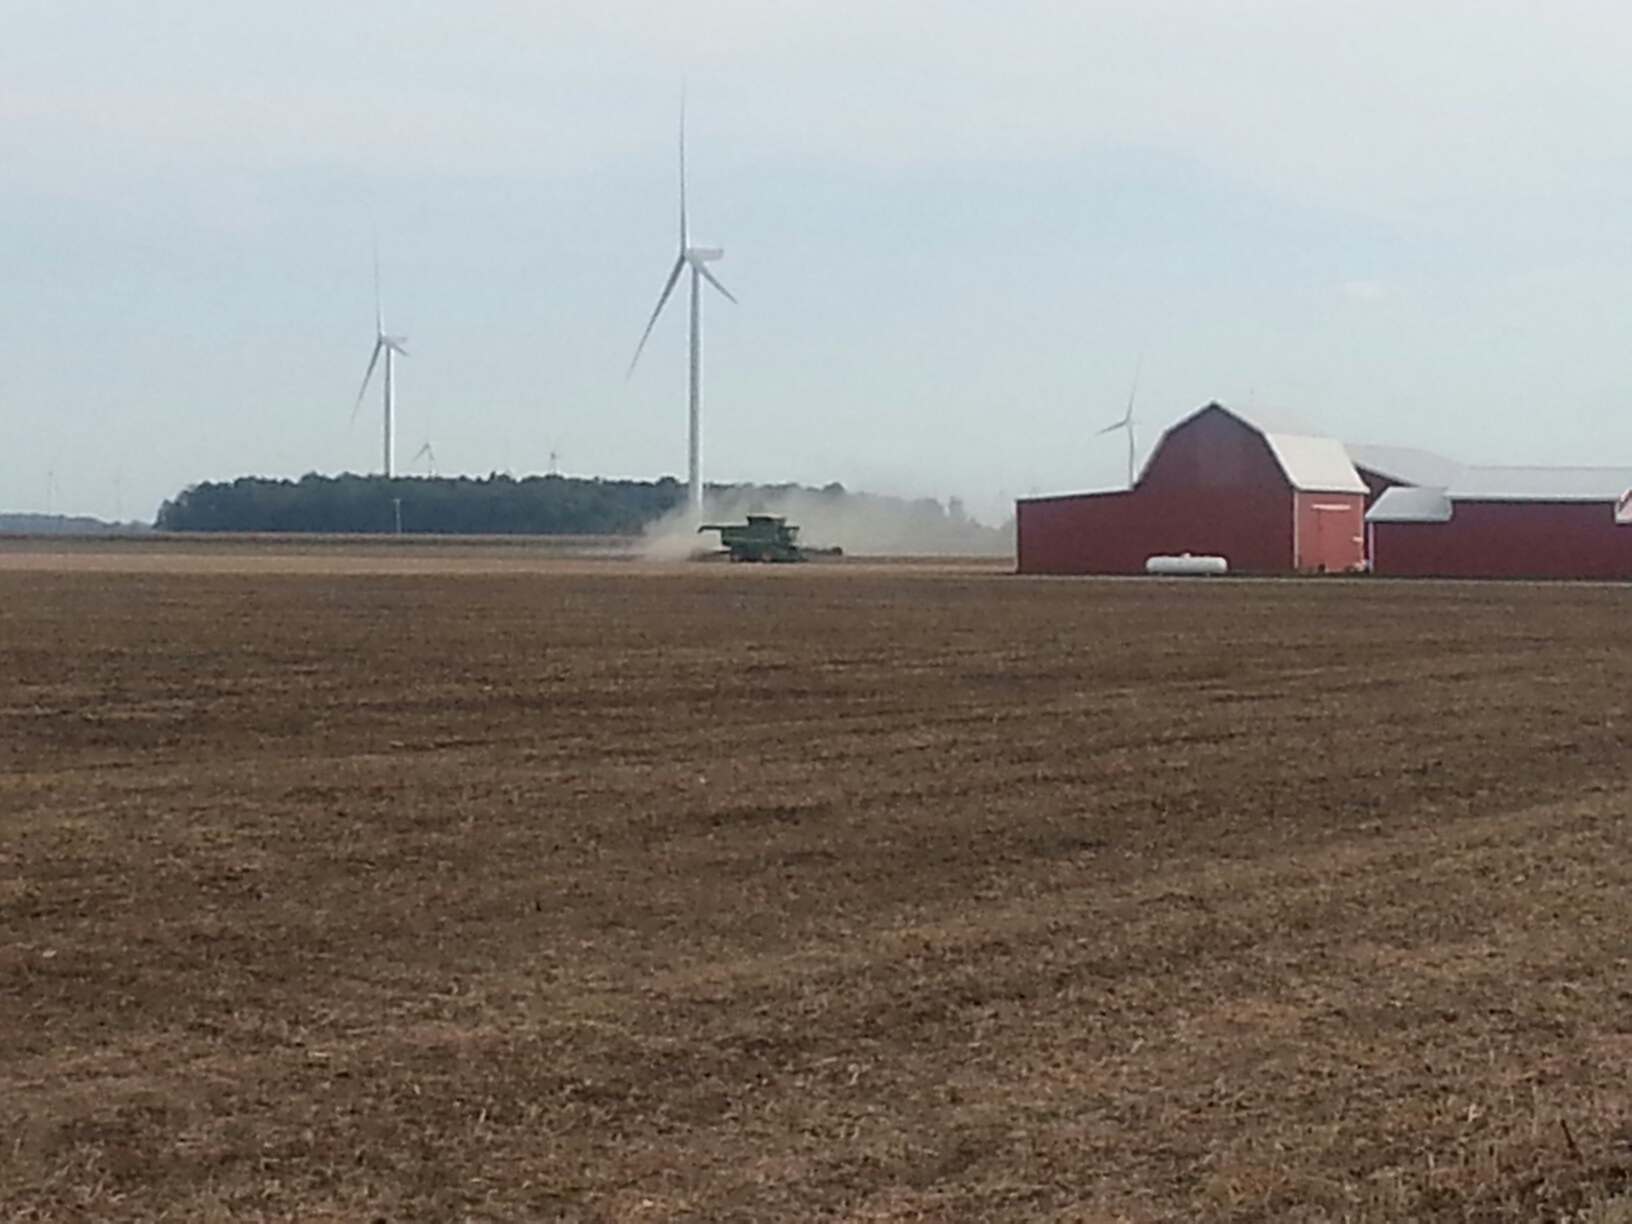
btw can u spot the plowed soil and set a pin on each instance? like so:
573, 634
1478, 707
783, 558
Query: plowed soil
501, 889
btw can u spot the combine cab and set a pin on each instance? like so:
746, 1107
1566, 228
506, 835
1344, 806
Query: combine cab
764, 537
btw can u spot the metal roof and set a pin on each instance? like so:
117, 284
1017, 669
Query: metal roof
1271, 420
1540, 484
1463, 482
1418, 504
1312, 462
1410, 504
1315, 465
1405, 464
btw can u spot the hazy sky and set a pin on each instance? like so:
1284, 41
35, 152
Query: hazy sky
953, 226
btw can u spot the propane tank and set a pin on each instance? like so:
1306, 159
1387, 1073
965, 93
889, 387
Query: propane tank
1187, 565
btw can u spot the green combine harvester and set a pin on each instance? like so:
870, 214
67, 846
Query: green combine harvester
765, 537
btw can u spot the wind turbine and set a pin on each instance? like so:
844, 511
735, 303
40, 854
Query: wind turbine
427, 453
694, 259
391, 347
1127, 421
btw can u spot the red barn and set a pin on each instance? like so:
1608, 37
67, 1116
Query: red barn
1494, 522
1268, 499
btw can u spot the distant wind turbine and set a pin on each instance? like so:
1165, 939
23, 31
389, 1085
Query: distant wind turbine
696, 259
1127, 421
427, 453
391, 347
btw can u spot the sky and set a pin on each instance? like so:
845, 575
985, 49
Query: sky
956, 230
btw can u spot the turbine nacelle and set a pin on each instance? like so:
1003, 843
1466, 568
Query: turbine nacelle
697, 259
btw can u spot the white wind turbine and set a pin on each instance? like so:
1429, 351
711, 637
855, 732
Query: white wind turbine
427, 453
391, 347
1127, 422
696, 259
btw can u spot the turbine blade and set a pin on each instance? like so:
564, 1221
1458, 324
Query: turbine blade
685, 231
373, 361
1133, 392
662, 301
1112, 428
715, 281
379, 308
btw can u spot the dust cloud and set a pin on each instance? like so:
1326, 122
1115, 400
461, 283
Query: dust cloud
862, 524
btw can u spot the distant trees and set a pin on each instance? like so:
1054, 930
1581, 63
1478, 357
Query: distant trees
564, 505
492, 505
63, 524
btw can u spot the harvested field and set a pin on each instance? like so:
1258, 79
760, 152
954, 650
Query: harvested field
497, 889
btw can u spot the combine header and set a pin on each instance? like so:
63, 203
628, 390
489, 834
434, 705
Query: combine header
765, 537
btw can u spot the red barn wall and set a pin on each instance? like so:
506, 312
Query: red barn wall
1376, 483
1331, 532
1213, 487
1509, 540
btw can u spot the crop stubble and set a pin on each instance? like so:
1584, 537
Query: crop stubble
607, 892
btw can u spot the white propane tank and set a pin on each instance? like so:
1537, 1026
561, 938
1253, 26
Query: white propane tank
1186, 564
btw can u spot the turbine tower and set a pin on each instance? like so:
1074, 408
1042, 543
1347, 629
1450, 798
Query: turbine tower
694, 259
391, 347
1127, 422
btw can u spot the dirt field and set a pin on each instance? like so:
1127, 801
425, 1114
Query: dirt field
436, 886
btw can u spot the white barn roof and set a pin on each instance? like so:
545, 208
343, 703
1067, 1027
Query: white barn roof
1312, 462
1406, 465
1410, 504
1541, 484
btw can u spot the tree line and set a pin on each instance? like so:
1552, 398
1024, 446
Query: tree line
461, 505
569, 506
